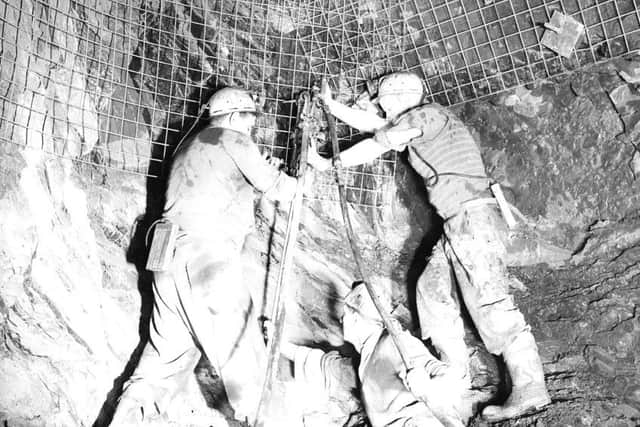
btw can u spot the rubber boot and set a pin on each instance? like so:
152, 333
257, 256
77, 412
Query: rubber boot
528, 391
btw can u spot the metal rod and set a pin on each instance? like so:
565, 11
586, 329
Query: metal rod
278, 312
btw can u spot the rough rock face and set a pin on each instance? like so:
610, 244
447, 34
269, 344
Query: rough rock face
74, 302
563, 156
68, 319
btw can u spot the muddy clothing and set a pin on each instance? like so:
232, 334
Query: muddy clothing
386, 399
446, 146
471, 245
201, 303
325, 387
212, 184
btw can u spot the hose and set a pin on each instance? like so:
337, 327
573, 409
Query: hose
394, 333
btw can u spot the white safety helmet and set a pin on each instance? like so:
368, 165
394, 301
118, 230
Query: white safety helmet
231, 100
401, 83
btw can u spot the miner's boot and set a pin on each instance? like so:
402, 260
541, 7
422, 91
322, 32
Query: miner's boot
528, 391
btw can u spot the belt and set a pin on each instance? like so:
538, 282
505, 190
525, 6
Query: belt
491, 201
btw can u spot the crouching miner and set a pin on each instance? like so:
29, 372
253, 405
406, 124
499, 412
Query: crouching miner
442, 150
200, 300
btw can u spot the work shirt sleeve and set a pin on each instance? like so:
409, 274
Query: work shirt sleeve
275, 184
432, 119
400, 132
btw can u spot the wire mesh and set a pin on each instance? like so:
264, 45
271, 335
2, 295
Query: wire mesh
117, 83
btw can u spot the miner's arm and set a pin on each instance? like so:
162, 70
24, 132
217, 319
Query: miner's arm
386, 137
363, 120
266, 178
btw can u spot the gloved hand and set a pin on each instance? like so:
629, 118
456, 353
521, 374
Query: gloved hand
441, 387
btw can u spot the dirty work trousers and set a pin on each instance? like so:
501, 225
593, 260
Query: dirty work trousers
387, 401
324, 388
202, 304
471, 252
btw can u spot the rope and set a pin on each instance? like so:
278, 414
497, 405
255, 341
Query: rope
195, 122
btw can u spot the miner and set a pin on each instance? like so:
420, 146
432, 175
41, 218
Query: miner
328, 380
443, 151
431, 393
201, 303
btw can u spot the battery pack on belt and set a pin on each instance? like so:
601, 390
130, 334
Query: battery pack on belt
162, 246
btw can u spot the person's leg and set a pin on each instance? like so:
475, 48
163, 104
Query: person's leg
227, 327
325, 385
438, 311
386, 399
168, 358
484, 283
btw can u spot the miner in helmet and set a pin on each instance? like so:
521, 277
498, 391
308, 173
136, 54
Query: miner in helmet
432, 393
329, 379
201, 303
443, 151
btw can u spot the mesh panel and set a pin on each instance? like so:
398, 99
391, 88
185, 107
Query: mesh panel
117, 83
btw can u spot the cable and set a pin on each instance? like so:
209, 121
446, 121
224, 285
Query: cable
435, 178
443, 414
200, 113
394, 333
286, 265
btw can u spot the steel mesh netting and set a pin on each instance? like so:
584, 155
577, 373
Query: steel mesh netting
118, 83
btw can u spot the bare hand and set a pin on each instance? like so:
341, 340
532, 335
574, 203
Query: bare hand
439, 386
416, 380
435, 377
325, 91
276, 162
314, 159
364, 103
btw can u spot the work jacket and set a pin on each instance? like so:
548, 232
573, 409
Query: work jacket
212, 187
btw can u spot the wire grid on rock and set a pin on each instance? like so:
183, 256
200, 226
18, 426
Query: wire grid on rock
118, 83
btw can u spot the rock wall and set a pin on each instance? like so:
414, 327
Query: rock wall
74, 302
69, 321
68, 316
564, 155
